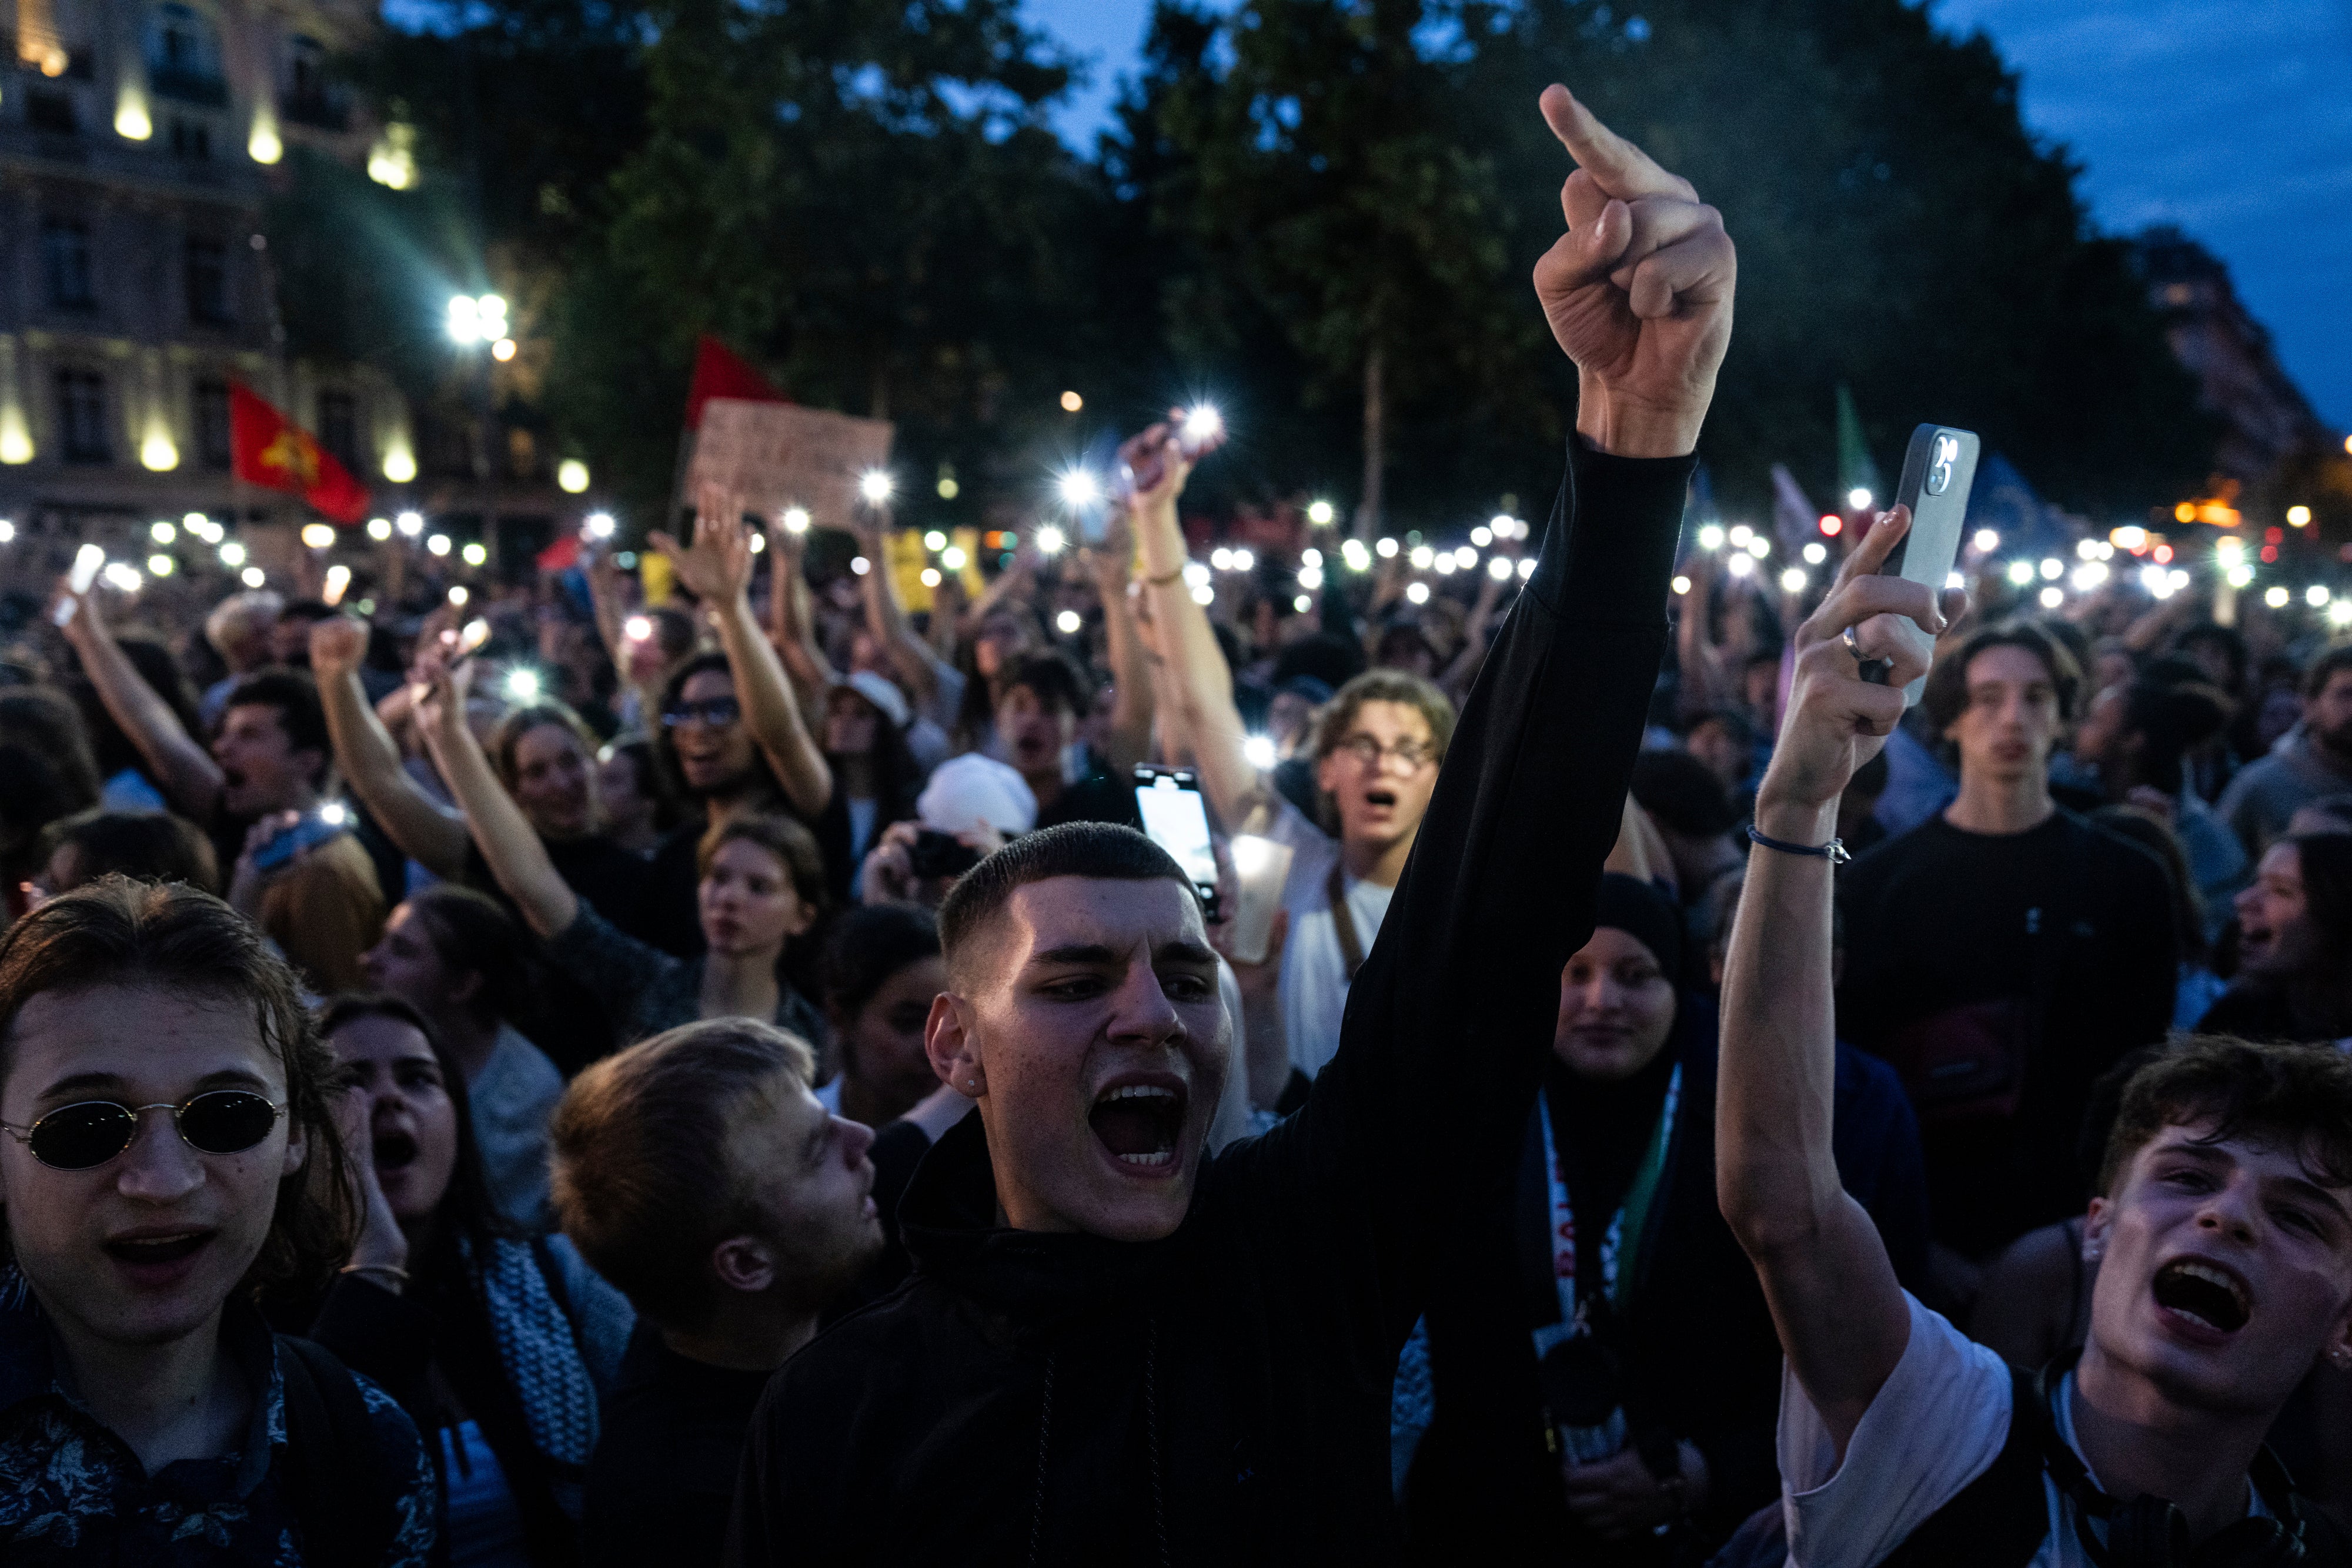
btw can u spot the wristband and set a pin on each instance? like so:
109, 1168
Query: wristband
1833, 852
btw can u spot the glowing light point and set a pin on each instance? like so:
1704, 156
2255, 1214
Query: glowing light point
438, 544
797, 519
162, 533
319, 536
1080, 488
1203, 423
254, 577
2275, 597
232, 555
1072, 402
599, 525
161, 565
1259, 751
876, 486
410, 524
2299, 516
523, 685
1793, 580
2052, 598
572, 476
1067, 623
1816, 552
1710, 538
457, 595
474, 555
378, 528
1321, 513
1416, 592
1681, 585
1858, 499
1988, 541
1386, 549
1050, 540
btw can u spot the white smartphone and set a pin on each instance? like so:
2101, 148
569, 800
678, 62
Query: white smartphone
1177, 819
87, 560
1937, 473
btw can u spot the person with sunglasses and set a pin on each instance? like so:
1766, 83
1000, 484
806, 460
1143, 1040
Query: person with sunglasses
164, 1100
499, 1343
731, 734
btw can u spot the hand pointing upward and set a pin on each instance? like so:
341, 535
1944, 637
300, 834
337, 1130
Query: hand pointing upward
1638, 291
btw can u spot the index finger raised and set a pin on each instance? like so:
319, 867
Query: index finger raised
1619, 167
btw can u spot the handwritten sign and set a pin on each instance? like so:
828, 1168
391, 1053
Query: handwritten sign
778, 454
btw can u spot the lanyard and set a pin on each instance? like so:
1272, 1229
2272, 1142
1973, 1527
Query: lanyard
1631, 1217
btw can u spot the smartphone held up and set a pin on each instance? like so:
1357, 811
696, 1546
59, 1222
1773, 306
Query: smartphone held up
1938, 470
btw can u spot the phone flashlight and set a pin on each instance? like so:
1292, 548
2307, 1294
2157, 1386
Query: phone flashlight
637, 628
1203, 424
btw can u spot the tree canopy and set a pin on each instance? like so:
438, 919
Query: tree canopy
1323, 212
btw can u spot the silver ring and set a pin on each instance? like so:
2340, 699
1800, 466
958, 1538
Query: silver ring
1874, 671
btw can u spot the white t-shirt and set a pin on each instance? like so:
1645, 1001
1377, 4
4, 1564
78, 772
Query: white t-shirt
1314, 983
1938, 1425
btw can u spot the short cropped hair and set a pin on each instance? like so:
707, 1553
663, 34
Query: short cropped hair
781, 837
1946, 695
642, 1184
242, 615
1105, 851
1683, 794
295, 700
117, 932
2295, 1096
152, 846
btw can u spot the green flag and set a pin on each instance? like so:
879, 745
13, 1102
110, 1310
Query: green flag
1855, 470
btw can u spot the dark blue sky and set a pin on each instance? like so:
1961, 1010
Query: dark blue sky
2231, 118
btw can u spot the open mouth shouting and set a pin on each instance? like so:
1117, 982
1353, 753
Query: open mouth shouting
2203, 1300
155, 1257
1140, 1123
394, 1150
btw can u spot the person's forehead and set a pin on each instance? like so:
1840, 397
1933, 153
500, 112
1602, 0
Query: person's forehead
152, 1040
372, 1037
746, 858
545, 739
2282, 862
1382, 714
2007, 664
1117, 912
705, 685
251, 718
1614, 945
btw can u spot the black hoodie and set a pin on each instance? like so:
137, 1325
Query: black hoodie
1221, 1395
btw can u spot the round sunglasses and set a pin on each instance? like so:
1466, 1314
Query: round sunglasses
88, 1133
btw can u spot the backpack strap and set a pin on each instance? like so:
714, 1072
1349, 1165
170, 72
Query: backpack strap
335, 1473
2001, 1519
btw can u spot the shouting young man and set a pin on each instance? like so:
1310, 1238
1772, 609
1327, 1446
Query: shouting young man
1114, 1348
2223, 1224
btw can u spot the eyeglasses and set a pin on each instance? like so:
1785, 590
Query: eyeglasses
715, 714
88, 1133
1413, 753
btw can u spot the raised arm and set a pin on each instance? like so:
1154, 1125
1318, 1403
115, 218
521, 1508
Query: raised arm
178, 760
1109, 564
1195, 676
792, 630
1841, 1315
717, 570
517, 859
886, 618
1462, 986
368, 758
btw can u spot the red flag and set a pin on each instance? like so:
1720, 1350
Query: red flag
270, 450
718, 372
561, 556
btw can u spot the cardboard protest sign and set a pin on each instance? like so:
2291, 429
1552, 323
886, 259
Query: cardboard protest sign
779, 456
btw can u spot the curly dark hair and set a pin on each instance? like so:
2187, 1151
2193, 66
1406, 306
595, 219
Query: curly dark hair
2298, 1096
116, 931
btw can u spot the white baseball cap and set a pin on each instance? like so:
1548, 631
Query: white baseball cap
972, 790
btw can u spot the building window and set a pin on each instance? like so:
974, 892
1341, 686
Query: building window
65, 254
208, 282
212, 422
81, 416
339, 427
192, 140
48, 108
311, 97
183, 57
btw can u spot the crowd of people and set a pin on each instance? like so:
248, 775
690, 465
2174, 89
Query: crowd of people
704, 1067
